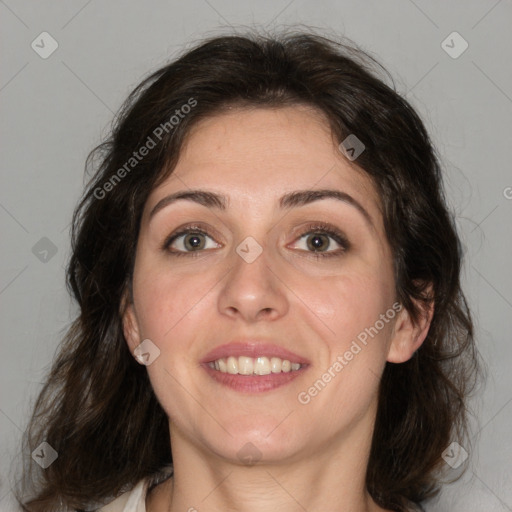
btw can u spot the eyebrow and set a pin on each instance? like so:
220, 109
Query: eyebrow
286, 202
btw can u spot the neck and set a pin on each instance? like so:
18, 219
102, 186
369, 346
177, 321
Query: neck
333, 477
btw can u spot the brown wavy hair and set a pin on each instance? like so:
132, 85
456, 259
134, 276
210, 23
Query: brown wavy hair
97, 408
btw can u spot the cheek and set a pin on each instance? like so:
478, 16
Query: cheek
172, 305
161, 303
349, 303
346, 380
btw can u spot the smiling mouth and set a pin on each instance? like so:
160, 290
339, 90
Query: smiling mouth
252, 382
250, 366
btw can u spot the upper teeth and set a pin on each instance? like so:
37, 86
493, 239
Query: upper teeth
253, 366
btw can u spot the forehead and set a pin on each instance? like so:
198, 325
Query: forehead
263, 153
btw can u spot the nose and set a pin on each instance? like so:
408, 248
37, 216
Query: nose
253, 290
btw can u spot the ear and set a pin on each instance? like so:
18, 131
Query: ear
130, 325
408, 335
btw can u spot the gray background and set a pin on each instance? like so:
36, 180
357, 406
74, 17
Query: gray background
55, 110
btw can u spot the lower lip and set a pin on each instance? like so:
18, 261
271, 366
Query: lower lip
253, 383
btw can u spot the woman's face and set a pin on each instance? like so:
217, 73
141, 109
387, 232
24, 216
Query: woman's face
247, 284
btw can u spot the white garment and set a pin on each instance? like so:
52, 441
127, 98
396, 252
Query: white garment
135, 500
130, 501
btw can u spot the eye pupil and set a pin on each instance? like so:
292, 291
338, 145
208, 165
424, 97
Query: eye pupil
194, 242
315, 242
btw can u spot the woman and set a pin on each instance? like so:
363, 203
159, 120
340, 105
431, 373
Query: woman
270, 307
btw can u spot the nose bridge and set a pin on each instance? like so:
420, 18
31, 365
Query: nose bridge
252, 285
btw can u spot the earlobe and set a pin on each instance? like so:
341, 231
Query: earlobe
130, 327
408, 336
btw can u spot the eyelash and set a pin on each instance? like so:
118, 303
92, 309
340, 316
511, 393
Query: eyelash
318, 228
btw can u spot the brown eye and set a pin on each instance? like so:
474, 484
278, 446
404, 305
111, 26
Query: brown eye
188, 241
318, 242
323, 240
193, 241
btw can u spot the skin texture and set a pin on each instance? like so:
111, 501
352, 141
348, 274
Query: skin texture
313, 456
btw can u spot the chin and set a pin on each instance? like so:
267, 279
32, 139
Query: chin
263, 439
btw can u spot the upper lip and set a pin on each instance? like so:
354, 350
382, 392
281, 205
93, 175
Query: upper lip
252, 348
